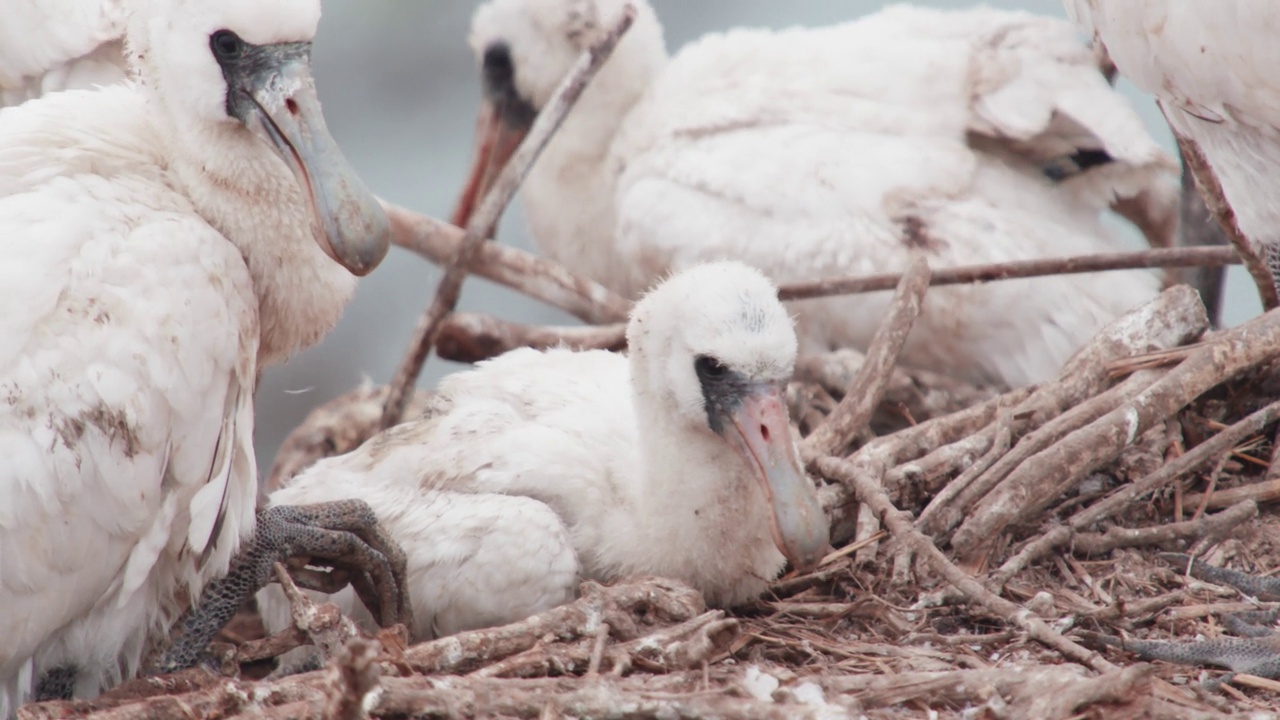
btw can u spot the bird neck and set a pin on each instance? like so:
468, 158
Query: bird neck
569, 194
247, 194
701, 518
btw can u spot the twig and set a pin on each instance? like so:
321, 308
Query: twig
355, 674
965, 274
662, 600
1045, 691
495, 200
590, 302
597, 650
1206, 452
1033, 446
472, 337
1044, 477
942, 500
1121, 537
1259, 492
524, 272
864, 475
864, 393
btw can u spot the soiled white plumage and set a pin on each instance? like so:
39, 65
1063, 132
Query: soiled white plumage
49, 45
539, 468
1211, 67
157, 254
841, 150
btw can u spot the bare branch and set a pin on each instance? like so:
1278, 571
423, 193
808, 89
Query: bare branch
536, 277
472, 337
868, 386
495, 201
965, 274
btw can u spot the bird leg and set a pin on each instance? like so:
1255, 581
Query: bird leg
343, 535
57, 683
1257, 649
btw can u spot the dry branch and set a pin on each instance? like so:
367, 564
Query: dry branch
544, 280
494, 202
662, 600
1054, 691
536, 277
1163, 257
1207, 525
868, 386
1041, 479
472, 337
865, 476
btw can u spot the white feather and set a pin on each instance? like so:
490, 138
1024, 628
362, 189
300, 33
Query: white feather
145, 291
1211, 67
841, 150
537, 469
50, 45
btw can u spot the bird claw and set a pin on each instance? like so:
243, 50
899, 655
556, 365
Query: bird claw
343, 535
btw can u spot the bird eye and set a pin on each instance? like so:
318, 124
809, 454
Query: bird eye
226, 45
708, 367
497, 58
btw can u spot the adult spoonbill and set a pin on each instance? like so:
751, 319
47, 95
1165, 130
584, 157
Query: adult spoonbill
163, 241
1211, 68
971, 136
48, 45
540, 468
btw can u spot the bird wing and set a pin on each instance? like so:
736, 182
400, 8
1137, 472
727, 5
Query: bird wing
54, 45
741, 151
511, 455
1212, 69
127, 354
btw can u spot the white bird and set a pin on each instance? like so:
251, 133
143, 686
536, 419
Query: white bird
1212, 68
163, 241
50, 45
540, 468
972, 136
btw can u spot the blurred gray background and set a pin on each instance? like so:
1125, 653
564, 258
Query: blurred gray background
400, 91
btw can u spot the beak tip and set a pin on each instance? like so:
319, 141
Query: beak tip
362, 252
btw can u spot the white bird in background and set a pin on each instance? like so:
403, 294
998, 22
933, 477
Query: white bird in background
163, 242
971, 136
49, 45
538, 469
1212, 68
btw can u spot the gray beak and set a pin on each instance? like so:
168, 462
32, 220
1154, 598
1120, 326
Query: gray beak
758, 428
271, 90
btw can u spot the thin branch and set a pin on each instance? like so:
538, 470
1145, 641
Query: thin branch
965, 274
865, 477
557, 286
868, 386
1035, 483
495, 201
472, 337
524, 272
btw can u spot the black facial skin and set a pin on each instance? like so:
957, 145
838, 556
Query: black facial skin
1061, 168
499, 73
723, 390
245, 66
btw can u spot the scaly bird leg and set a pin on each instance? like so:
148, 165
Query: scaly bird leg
1256, 651
344, 535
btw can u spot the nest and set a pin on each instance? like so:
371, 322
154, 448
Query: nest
999, 554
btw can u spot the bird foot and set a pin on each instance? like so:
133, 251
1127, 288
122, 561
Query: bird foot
343, 536
1263, 588
57, 683
1257, 649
